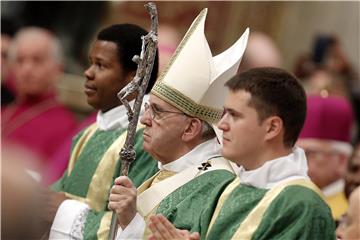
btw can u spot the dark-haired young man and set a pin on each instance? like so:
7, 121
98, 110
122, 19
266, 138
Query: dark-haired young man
80, 203
272, 196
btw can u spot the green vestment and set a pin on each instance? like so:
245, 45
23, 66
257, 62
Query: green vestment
296, 212
183, 207
92, 169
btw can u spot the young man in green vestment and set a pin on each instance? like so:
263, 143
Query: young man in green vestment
272, 196
184, 105
79, 203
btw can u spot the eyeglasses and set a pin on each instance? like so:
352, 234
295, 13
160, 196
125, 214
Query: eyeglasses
157, 114
319, 153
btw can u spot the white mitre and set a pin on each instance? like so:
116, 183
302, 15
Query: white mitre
194, 80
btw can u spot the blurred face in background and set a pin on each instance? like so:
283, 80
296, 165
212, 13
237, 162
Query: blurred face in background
5, 45
325, 165
35, 66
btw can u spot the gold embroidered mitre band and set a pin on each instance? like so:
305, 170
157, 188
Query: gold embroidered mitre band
194, 80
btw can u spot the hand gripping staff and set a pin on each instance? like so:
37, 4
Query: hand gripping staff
139, 83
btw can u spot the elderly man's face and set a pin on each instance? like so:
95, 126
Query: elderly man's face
5, 44
325, 165
164, 129
35, 66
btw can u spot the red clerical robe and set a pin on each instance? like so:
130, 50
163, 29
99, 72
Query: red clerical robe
40, 124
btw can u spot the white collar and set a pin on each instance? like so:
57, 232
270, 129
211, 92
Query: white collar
334, 188
201, 153
292, 166
116, 118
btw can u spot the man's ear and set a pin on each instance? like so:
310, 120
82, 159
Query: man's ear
274, 127
192, 129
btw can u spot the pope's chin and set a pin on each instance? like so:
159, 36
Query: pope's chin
146, 143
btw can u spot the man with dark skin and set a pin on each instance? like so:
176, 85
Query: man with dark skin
79, 203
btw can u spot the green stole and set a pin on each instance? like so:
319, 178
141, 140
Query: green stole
94, 164
291, 210
183, 206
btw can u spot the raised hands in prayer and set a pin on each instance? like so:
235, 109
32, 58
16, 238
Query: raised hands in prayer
162, 229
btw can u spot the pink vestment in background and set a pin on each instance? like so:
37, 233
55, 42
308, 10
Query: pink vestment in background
61, 157
41, 124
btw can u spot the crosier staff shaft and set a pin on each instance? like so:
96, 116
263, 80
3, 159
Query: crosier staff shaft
139, 83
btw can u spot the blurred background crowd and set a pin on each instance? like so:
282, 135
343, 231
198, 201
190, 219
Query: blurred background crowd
44, 52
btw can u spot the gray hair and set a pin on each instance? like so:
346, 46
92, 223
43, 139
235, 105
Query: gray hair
207, 131
56, 49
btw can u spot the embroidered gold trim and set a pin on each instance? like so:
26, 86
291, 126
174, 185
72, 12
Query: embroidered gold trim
145, 185
147, 231
80, 146
228, 190
74, 197
176, 98
104, 228
185, 104
102, 179
252, 221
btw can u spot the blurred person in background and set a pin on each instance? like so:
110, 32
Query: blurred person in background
349, 228
352, 176
326, 53
329, 53
261, 52
78, 204
328, 56
169, 39
36, 119
349, 223
21, 203
325, 138
8, 29
325, 83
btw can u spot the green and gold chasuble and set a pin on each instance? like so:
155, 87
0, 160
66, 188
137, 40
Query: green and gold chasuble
94, 164
291, 210
183, 207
